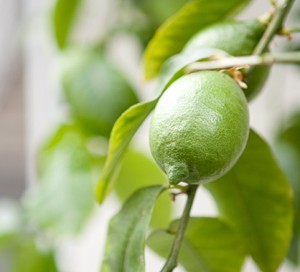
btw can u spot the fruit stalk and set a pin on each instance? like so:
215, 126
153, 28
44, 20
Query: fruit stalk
281, 11
264, 59
173, 257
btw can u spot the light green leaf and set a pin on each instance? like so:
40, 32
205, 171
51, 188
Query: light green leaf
256, 197
122, 133
63, 18
287, 151
139, 171
171, 37
63, 199
209, 245
125, 242
129, 122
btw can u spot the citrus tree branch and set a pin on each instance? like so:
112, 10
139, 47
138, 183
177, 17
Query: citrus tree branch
281, 11
173, 257
265, 59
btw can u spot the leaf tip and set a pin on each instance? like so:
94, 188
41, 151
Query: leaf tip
101, 191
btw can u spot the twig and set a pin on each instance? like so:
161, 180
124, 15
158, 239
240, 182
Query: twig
172, 259
265, 59
275, 25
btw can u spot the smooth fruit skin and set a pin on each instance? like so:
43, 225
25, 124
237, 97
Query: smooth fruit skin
199, 127
96, 91
237, 38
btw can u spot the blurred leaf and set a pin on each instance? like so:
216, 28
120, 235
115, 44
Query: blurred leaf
256, 197
129, 122
158, 11
210, 245
63, 18
18, 251
64, 199
139, 171
28, 258
171, 37
287, 151
10, 222
125, 242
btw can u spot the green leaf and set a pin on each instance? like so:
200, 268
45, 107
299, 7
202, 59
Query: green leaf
28, 258
129, 122
63, 18
287, 151
256, 197
63, 199
138, 171
171, 37
125, 242
209, 245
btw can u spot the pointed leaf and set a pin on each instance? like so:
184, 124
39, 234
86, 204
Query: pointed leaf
129, 122
125, 242
171, 37
63, 18
209, 245
256, 197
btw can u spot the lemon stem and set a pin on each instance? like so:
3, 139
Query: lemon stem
173, 256
275, 25
264, 59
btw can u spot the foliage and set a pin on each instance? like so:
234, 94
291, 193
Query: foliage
254, 198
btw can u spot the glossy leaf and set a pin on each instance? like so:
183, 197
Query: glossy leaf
64, 198
125, 242
256, 197
129, 122
209, 245
287, 151
171, 37
63, 18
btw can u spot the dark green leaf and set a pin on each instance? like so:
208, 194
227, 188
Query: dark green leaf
125, 242
171, 37
256, 197
63, 18
67, 177
139, 171
287, 151
209, 245
129, 122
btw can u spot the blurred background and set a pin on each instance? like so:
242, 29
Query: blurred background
34, 106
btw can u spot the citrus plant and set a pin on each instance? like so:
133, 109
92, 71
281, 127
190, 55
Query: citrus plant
199, 133
207, 66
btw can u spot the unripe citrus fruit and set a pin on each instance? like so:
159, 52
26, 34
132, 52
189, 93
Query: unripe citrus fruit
96, 91
199, 127
237, 38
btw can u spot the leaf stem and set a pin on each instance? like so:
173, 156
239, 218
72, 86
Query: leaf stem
172, 259
265, 59
275, 25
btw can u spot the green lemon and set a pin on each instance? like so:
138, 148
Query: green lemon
199, 127
238, 38
96, 91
